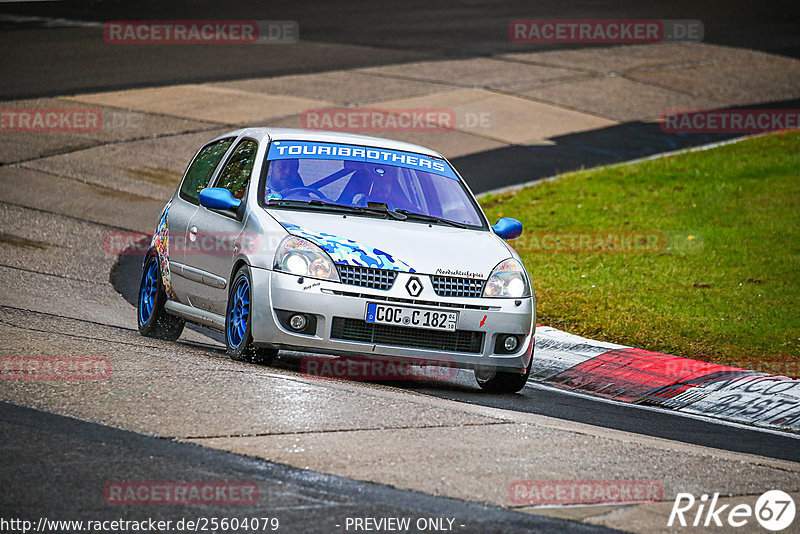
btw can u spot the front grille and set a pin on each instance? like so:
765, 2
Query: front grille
401, 336
450, 286
367, 277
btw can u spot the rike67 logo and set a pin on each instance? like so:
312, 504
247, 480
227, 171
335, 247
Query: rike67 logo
774, 510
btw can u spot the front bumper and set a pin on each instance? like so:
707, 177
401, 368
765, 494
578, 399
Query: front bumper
340, 310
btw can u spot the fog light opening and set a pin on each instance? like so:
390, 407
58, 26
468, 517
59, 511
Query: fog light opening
298, 322
510, 343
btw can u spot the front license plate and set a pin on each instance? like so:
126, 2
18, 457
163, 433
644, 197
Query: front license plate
412, 317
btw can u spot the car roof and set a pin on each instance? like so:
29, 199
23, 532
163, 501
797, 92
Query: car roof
299, 134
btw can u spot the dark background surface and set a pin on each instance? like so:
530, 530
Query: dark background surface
38, 60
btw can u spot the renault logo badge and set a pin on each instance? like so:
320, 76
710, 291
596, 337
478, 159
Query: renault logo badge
414, 286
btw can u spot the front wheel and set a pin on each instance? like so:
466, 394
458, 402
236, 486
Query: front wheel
238, 318
153, 320
493, 381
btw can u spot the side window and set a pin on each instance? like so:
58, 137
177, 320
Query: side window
202, 168
236, 173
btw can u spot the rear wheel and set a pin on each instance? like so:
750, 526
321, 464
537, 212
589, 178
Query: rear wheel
238, 318
153, 320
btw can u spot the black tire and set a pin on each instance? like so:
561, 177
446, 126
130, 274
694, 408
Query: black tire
238, 339
493, 381
155, 321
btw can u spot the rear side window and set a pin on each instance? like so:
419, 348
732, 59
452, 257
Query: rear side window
236, 174
202, 168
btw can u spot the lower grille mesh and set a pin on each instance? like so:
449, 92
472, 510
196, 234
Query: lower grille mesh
399, 336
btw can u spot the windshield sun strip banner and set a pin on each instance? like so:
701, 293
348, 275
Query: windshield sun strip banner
334, 151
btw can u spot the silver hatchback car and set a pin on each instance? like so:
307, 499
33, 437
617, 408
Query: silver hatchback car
339, 244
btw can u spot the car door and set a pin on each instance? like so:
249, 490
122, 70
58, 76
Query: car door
185, 204
214, 235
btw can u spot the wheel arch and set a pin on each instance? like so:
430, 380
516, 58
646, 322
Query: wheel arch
236, 266
151, 251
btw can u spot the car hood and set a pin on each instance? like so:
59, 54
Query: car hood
398, 245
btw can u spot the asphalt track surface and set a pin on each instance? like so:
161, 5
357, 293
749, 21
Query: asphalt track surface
39, 62
82, 457
507, 167
334, 35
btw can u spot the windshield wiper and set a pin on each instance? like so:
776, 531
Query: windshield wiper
430, 218
338, 207
320, 203
380, 207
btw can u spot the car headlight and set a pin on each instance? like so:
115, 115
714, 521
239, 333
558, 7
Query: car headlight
507, 280
301, 257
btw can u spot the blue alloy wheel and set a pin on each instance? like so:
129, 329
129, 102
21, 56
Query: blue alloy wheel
239, 312
240, 346
154, 321
148, 291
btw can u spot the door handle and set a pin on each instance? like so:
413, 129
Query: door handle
193, 233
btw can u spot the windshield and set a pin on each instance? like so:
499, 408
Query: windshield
361, 184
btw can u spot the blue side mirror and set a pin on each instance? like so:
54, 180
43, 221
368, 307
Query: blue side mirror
218, 198
508, 228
